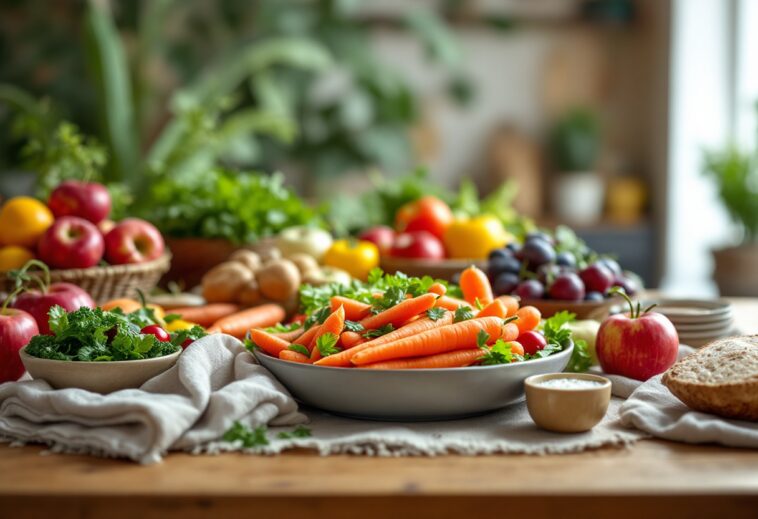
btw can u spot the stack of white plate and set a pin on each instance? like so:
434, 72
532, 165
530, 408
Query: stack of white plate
698, 322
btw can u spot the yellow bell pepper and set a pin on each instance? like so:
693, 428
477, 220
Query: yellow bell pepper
474, 238
355, 257
179, 324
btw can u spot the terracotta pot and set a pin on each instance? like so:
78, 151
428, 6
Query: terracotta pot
193, 257
736, 270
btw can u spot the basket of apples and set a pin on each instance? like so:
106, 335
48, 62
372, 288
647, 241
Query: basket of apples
555, 272
74, 237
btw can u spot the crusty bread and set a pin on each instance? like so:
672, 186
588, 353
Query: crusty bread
720, 378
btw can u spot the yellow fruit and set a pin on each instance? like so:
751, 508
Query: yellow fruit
474, 238
23, 220
179, 324
14, 257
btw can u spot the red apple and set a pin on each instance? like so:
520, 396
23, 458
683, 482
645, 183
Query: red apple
38, 302
71, 242
87, 200
133, 241
16, 330
637, 346
418, 245
381, 236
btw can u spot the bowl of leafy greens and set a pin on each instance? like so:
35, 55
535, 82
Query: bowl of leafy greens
101, 351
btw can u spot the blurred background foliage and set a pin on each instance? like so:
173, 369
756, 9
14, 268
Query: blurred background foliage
173, 88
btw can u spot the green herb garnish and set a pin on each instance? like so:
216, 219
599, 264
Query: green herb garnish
352, 326
250, 438
300, 431
463, 313
327, 344
300, 349
436, 313
384, 330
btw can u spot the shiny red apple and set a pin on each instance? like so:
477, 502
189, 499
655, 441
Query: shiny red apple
133, 241
38, 302
417, 245
88, 200
16, 330
639, 345
71, 242
428, 213
381, 236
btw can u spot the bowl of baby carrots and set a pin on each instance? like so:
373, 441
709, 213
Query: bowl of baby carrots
404, 348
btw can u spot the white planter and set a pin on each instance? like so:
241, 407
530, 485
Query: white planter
578, 197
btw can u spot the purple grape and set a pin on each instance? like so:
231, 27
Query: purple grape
597, 278
500, 265
539, 235
628, 284
594, 296
567, 287
514, 247
611, 265
499, 253
548, 272
565, 259
530, 289
537, 252
505, 283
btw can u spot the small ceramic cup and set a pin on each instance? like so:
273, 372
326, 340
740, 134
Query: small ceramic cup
567, 402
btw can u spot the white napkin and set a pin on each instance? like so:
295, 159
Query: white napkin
214, 382
653, 409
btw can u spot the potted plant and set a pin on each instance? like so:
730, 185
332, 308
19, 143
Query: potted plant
735, 173
577, 190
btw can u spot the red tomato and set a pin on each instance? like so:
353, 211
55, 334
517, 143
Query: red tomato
532, 342
417, 245
160, 334
428, 213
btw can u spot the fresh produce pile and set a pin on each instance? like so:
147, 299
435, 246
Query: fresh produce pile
73, 231
400, 322
428, 229
556, 266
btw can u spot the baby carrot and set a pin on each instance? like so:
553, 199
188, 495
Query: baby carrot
450, 359
334, 325
476, 286
437, 288
456, 336
528, 318
349, 339
239, 323
267, 342
510, 332
294, 356
307, 336
289, 336
511, 304
400, 313
206, 315
342, 359
354, 310
450, 303
496, 308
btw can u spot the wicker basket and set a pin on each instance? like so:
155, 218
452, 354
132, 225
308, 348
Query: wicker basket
109, 282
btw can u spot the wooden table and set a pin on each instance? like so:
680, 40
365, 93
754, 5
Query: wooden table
650, 479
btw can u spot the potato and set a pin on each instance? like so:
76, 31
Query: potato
327, 275
267, 250
278, 279
250, 294
305, 262
248, 258
223, 282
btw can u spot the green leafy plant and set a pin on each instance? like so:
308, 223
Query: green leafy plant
735, 173
575, 141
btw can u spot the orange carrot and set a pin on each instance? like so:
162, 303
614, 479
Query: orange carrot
516, 348
401, 312
528, 318
511, 304
125, 304
510, 332
206, 315
289, 336
456, 336
307, 337
451, 303
342, 359
334, 325
450, 359
267, 342
349, 339
496, 308
476, 286
437, 288
294, 356
239, 323
354, 310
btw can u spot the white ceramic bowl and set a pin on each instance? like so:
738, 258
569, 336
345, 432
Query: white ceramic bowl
98, 377
567, 409
410, 394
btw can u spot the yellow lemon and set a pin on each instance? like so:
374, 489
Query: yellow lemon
23, 220
14, 257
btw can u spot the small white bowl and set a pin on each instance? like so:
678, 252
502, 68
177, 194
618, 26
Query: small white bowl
98, 377
567, 410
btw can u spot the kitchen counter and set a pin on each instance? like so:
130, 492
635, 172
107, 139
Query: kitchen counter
652, 478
